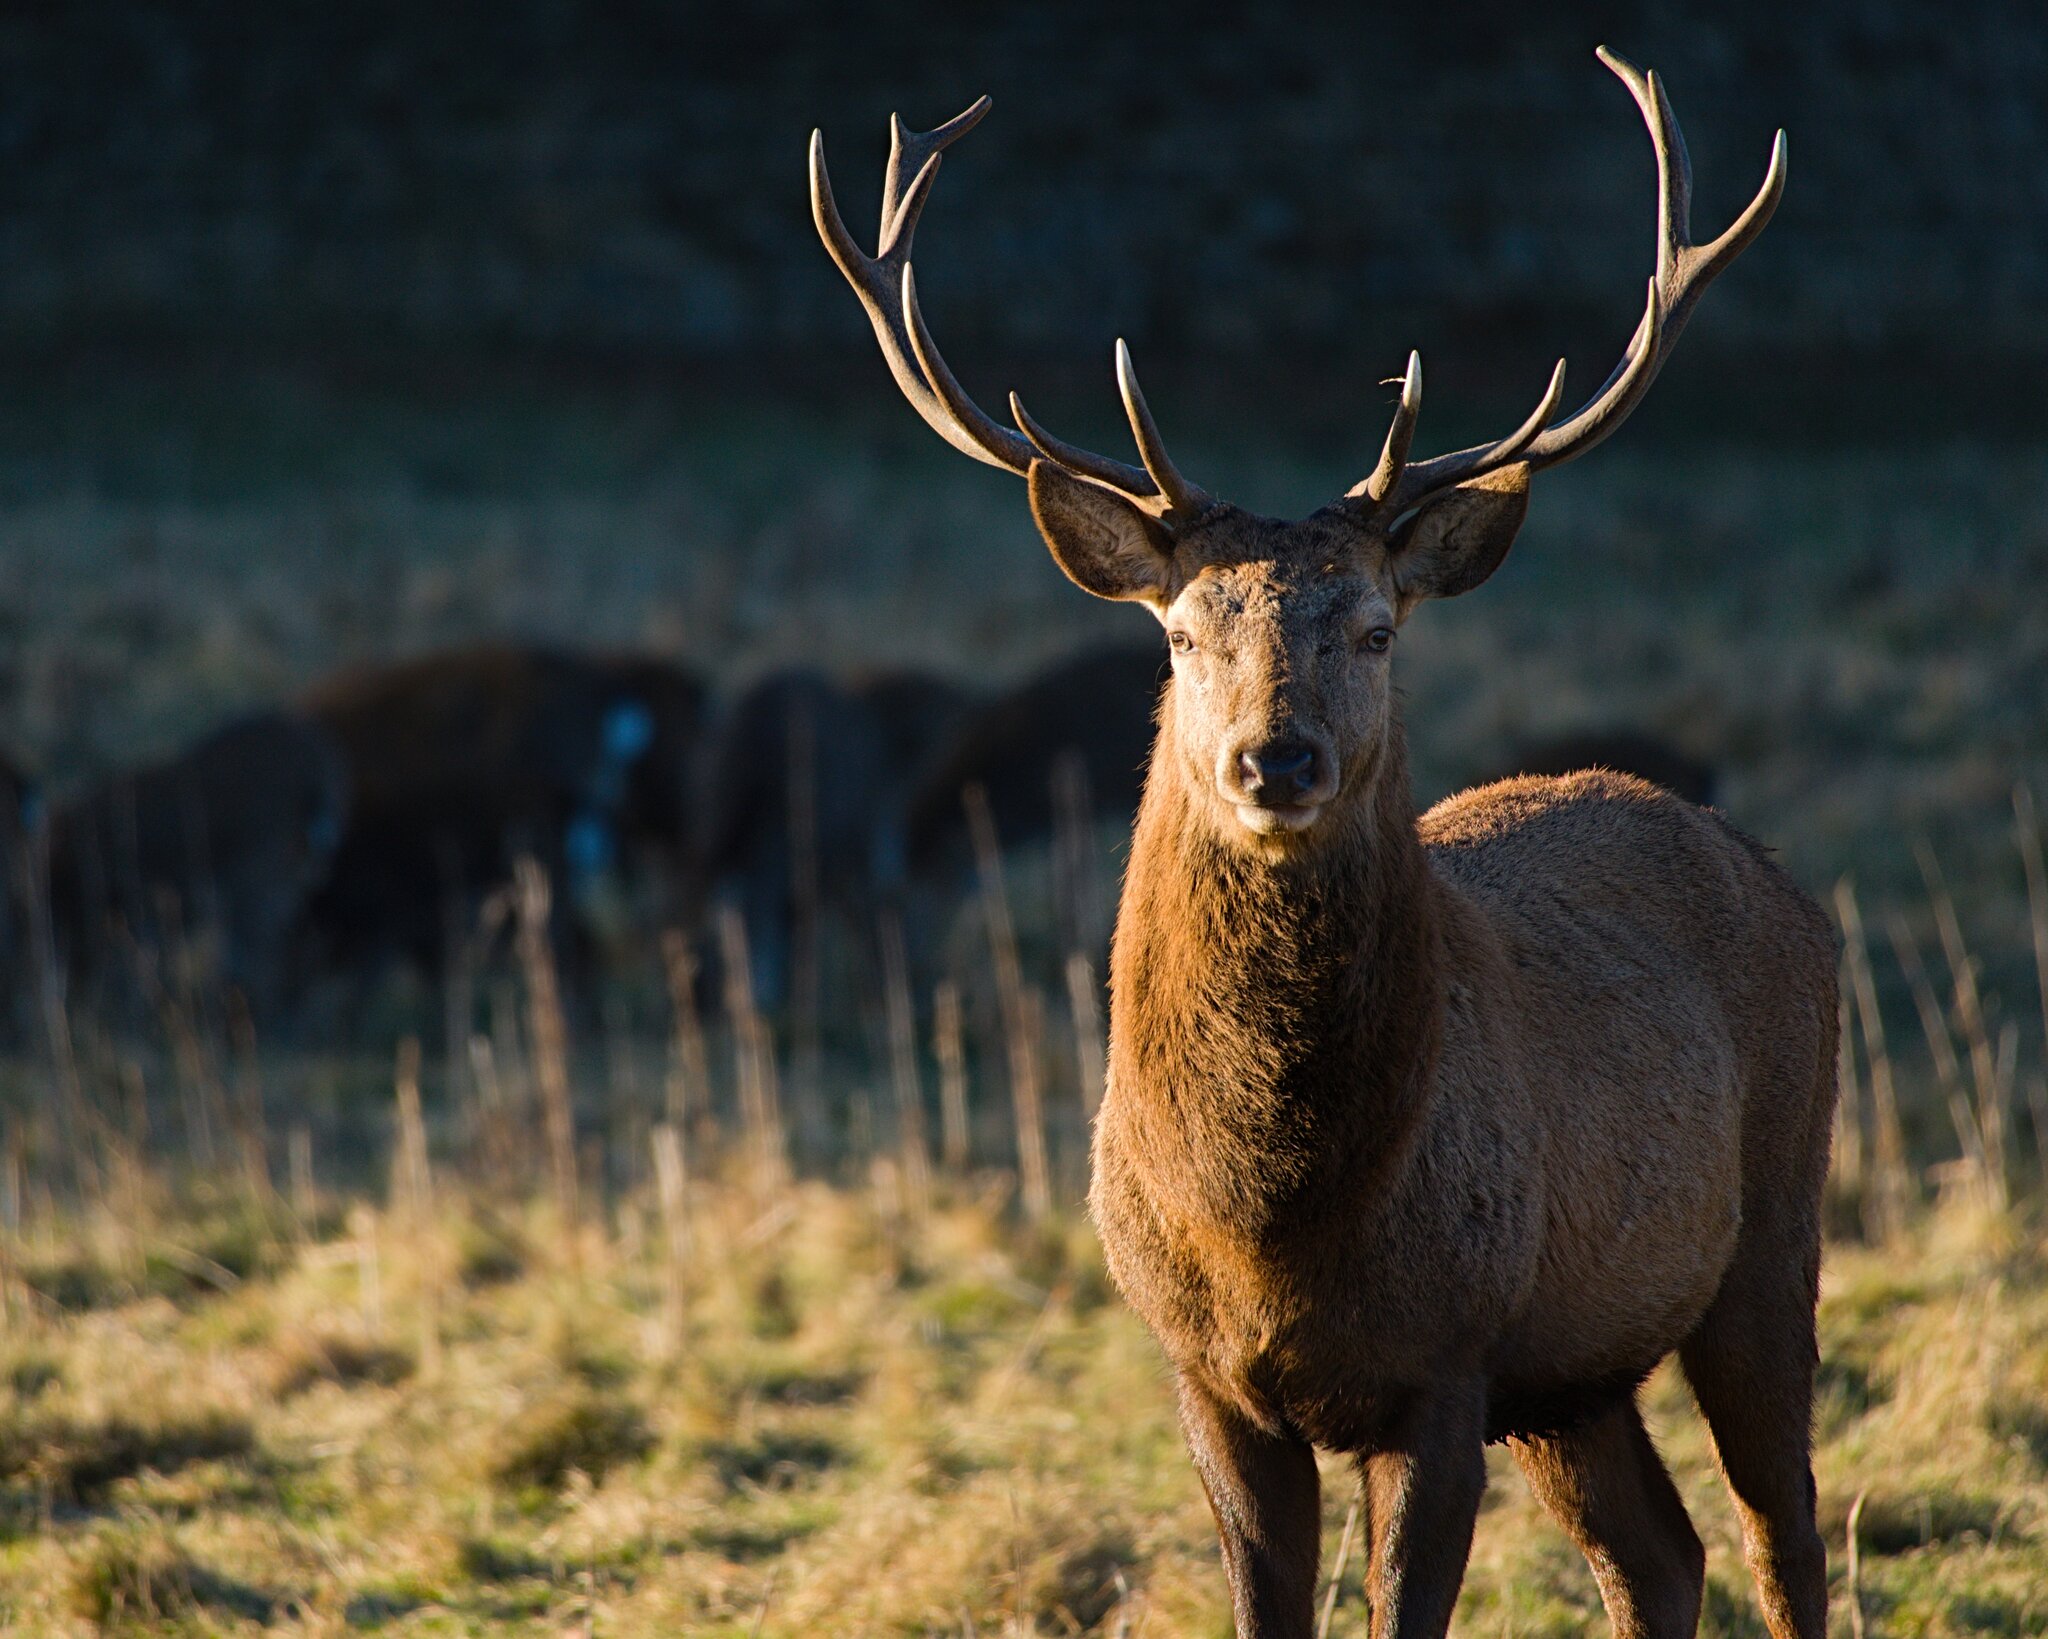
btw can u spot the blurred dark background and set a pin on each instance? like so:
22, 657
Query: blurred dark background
569, 188
336, 337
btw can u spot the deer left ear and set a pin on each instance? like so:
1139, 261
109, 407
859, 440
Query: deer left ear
1455, 540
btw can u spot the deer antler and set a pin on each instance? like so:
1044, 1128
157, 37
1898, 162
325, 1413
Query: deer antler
887, 288
1684, 270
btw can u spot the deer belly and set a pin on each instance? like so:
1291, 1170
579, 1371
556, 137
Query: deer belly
1627, 1272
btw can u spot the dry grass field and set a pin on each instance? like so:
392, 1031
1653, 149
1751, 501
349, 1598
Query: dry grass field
831, 1416
388, 1379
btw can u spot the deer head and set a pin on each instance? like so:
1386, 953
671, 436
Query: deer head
1281, 632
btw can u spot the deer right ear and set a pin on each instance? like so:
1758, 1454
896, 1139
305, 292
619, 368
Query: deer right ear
1105, 545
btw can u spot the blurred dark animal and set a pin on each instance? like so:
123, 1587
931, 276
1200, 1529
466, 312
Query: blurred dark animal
797, 782
464, 760
1421, 1133
1619, 750
21, 824
212, 853
1091, 714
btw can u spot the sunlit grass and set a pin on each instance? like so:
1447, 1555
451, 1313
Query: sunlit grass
866, 1426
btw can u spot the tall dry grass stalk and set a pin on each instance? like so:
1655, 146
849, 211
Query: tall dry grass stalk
753, 1059
493, 1139
512, 1079
252, 1130
458, 1001
949, 1047
1891, 1183
412, 1182
1988, 1116
1022, 1011
1343, 1558
67, 1089
548, 1031
901, 1020
671, 1182
2037, 1105
305, 1200
10, 1220
1091, 1054
2027, 835
1077, 886
806, 925
362, 1229
686, 1094
1847, 1158
412, 1197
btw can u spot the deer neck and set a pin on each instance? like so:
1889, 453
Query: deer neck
1274, 1025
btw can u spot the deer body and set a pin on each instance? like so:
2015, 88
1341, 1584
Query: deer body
1425, 1132
1471, 1102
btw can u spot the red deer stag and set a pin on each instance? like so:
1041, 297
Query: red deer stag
1426, 1132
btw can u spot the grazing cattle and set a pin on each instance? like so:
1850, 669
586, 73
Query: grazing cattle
796, 785
214, 851
1619, 751
1092, 711
1425, 1132
464, 760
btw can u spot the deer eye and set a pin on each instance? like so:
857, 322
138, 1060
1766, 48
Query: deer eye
1380, 639
1180, 642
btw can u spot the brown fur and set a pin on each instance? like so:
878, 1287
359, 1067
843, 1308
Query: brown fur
218, 847
464, 759
1424, 1132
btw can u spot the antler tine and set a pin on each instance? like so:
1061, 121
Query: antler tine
909, 154
1684, 270
888, 291
993, 442
1183, 499
1133, 482
1409, 482
878, 281
1379, 483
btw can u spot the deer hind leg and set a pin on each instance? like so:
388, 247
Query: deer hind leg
1751, 1364
1605, 1484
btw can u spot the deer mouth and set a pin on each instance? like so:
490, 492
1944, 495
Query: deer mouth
1278, 819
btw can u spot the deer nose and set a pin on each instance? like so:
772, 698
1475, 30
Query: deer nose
1278, 772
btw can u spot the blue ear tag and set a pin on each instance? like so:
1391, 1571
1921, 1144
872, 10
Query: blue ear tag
31, 809
324, 832
587, 844
628, 731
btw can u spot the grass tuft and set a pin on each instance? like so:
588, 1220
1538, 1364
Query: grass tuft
773, 1459
583, 1434
346, 1358
79, 1462
126, 1578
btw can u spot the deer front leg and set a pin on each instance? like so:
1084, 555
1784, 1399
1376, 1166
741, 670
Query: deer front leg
1422, 1490
1265, 1494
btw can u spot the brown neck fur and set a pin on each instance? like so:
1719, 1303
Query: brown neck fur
1274, 1023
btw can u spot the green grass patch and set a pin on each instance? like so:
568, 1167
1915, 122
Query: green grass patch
581, 1435
80, 1461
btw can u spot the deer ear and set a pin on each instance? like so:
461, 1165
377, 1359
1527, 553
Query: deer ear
1456, 539
1105, 545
